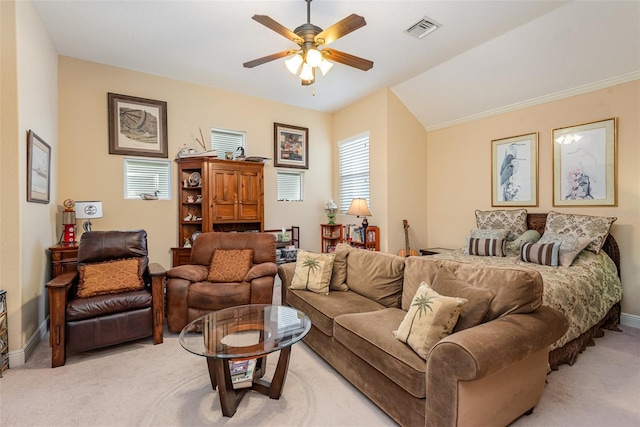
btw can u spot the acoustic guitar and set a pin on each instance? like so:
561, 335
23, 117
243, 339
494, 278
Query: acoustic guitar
407, 251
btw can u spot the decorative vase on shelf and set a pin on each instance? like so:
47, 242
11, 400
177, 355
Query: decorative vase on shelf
331, 208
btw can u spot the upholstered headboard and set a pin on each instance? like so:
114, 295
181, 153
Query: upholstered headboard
537, 221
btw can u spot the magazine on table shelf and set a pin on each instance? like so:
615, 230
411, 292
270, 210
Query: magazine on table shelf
242, 372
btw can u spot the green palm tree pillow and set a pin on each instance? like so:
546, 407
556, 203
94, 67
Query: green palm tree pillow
313, 272
430, 318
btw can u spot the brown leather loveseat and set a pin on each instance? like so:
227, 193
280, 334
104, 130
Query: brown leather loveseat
190, 293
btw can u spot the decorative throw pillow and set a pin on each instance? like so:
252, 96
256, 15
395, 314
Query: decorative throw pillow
478, 299
339, 272
313, 272
529, 236
486, 247
430, 318
486, 233
570, 246
594, 227
110, 277
230, 265
515, 220
541, 253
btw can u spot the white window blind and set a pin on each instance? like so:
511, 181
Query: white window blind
354, 171
223, 140
147, 176
289, 186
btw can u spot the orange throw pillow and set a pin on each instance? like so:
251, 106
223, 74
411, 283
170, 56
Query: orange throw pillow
230, 265
110, 277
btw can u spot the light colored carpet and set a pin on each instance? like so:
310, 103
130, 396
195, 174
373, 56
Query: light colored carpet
145, 385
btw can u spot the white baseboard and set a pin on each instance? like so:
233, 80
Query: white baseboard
19, 357
630, 320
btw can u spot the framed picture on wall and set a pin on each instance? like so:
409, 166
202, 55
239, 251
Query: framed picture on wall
291, 146
584, 164
137, 126
514, 171
38, 169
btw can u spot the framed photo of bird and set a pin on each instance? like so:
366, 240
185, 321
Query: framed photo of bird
137, 126
514, 171
584, 164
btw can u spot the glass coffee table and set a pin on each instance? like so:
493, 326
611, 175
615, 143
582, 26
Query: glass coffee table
231, 336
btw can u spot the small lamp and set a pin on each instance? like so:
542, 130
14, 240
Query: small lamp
360, 209
331, 208
68, 222
88, 210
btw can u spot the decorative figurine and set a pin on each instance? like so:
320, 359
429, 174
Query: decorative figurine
187, 243
189, 198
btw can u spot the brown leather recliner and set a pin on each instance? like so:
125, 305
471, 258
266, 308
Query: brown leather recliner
100, 319
190, 295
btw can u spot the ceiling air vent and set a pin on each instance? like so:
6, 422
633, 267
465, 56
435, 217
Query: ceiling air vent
422, 28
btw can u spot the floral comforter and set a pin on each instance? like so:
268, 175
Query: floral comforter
584, 292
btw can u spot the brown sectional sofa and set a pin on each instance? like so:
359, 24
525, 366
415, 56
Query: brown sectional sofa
488, 374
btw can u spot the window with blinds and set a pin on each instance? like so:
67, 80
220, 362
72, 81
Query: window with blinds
354, 170
289, 186
147, 176
223, 140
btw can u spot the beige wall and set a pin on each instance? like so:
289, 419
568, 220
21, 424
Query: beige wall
397, 173
459, 171
88, 172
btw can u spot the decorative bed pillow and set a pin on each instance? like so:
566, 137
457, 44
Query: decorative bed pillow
230, 265
570, 246
594, 227
110, 277
430, 318
486, 247
515, 220
313, 272
529, 236
486, 233
478, 299
541, 253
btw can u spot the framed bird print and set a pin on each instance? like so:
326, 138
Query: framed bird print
514, 171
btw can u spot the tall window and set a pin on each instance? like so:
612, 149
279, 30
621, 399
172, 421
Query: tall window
223, 140
289, 186
147, 176
354, 170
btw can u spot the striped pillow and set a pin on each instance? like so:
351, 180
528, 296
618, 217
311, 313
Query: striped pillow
541, 253
486, 247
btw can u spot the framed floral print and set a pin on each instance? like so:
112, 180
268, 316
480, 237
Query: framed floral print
514, 171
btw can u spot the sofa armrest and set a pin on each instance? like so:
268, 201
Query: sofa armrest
482, 350
286, 272
261, 270
158, 274
191, 272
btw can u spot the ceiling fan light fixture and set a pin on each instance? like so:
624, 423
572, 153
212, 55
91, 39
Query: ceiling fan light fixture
307, 72
325, 66
293, 63
313, 57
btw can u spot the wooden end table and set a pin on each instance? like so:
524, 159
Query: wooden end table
241, 333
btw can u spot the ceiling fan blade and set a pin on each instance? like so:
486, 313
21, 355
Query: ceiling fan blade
277, 27
347, 59
341, 28
268, 58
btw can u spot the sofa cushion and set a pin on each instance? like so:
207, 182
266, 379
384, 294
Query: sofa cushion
313, 272
101, 278
478, 299
370, 336
430, 318
376, 275
322, 309
214, 296
517, 289
229, 265
339, 272
102, 305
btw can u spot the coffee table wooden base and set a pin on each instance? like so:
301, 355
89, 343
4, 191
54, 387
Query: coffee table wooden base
220, 375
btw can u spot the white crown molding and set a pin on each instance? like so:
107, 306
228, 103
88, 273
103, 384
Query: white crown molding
625, 78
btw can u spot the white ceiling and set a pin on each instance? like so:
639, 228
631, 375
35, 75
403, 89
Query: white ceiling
487, 55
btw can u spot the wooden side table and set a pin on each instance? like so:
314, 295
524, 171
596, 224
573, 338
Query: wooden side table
64, 258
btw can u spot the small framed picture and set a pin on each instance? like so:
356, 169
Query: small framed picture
514, 171
291, 146
38, 169
137, 126
584, 164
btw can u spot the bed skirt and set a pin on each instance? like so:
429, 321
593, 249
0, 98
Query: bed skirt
569, 352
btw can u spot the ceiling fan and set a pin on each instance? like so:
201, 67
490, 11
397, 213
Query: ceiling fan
309, 39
